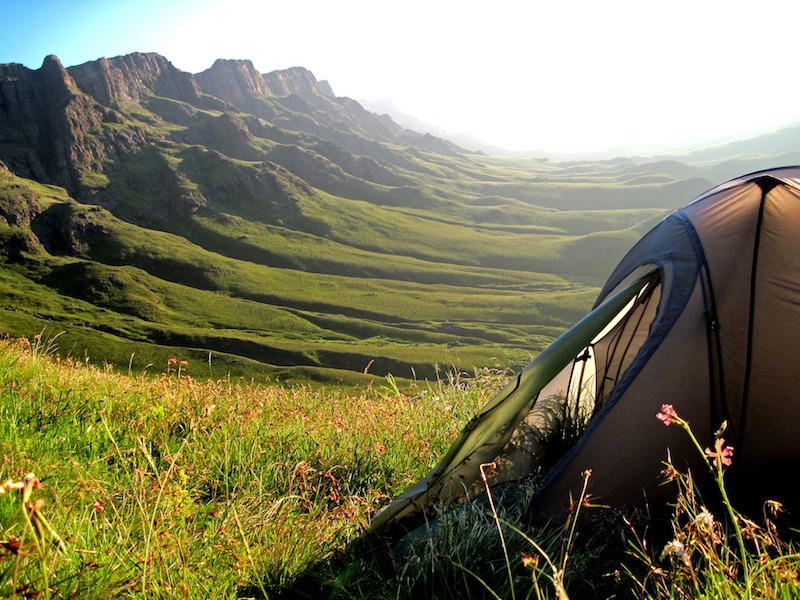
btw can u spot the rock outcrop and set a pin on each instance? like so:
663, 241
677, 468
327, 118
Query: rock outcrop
45, 124
113, 82
238, 83
86, 127
296, 80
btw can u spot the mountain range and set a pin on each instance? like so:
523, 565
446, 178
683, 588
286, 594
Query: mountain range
258, 225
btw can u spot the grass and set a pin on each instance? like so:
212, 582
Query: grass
177, 486
183, 486
322, 300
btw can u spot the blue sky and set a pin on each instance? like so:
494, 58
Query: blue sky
566, 76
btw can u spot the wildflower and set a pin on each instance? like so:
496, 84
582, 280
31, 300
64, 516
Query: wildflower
172, 361
98, 506
675, 550
184, 362
667, 414
774, 507
530, 562
720, 452
339, 422
381, 449
704, 520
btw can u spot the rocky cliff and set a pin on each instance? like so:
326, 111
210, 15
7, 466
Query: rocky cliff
236, 82
127, 79
64, 126
51, 131
296, 80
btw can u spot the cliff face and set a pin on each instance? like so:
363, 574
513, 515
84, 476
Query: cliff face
127, 79
294, 99
46, 124
235, 81
238, 82
87, 126
298, 81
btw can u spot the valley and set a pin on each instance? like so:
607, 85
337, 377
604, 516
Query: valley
259, 226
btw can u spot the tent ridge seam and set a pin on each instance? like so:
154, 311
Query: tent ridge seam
751, 317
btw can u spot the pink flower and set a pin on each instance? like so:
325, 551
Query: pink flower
719, 453
184, 362
339, 422
98, 506
173, 361
381, 449
667, 414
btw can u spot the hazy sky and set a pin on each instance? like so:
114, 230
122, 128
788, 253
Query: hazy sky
559, 75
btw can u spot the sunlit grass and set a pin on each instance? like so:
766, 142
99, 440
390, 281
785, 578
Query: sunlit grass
194, 487
176, 486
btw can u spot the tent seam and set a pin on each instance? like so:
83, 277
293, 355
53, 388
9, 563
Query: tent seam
751, 317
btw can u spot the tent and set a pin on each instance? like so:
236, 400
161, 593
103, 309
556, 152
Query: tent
703, 313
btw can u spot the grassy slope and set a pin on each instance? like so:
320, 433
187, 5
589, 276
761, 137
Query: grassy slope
236, 480
402, 259
176, 487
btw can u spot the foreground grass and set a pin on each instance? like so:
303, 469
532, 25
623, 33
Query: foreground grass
172, 487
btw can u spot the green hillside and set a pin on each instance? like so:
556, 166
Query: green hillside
292, 235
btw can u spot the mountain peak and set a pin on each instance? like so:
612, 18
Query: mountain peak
296, 80
235, 81
52, 61
56, 77
126, 79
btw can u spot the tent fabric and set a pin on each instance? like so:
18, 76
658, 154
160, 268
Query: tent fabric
483, 439
703, 313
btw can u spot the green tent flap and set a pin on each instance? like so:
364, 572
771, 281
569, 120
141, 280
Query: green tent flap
484, 437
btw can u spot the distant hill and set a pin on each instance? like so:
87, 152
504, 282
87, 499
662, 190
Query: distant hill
764, 148
259, 225
725, 160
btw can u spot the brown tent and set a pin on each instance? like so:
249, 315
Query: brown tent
704, 314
